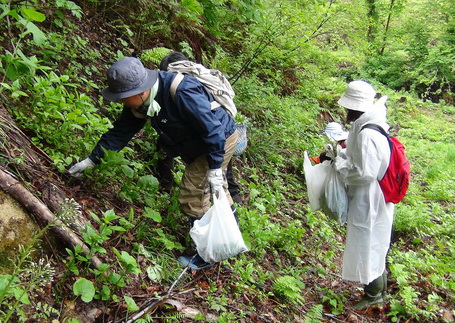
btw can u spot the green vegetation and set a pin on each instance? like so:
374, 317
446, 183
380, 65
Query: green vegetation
289, 62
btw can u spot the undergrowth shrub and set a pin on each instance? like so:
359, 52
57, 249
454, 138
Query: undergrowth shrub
133, 183
392, 69
54, 111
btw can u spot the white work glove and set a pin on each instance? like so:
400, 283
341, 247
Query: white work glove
78, 169
215, 179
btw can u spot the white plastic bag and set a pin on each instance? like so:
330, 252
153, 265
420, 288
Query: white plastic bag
315, 177
216, 234
334, 202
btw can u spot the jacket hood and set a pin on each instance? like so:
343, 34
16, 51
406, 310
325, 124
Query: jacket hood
377, 115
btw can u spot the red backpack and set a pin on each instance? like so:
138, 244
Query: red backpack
395, 182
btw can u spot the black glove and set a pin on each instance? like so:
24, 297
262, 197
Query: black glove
323, 157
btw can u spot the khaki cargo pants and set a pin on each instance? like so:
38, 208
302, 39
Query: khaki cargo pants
194, 190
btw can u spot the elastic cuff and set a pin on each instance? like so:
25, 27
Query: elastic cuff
94, 159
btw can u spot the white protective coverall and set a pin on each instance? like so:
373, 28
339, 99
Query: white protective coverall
370, 218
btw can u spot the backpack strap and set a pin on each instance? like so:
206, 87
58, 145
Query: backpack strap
176, 82
214, 105
379, 129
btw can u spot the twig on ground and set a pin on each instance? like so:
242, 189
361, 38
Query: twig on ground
149, 306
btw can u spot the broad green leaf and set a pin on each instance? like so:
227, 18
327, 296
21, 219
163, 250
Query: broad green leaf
84, 288
130, 304
218, 307
117, 228
193, 6
5, 10
95, 217
128, 262
13, 13
6, 86
126, 224
32, 14
4, 281
81, 120
105, 293
18, 94
70, 5
152, 214
155, 273
148, 181
128, 171
98, 249
260, 206
38, 36
116, 279
142, 251
109, 216
120, 55
21, 295
12, 72
71, 116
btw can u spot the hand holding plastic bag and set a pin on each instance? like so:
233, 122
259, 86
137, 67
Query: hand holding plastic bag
216, 234
334, 201
325, 189
315, 177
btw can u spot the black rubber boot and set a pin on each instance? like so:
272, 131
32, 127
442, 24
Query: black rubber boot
384, 289
373, 294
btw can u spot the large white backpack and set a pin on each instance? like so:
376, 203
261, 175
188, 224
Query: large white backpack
213, 80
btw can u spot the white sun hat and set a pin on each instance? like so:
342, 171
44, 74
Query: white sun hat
359, 96
335, 131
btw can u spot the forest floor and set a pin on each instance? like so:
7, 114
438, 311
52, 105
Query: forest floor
286, 239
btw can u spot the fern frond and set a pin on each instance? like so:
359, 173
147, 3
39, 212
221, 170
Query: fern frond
154, 56
289, 288
314, 315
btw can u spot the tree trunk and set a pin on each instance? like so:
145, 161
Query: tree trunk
372, 20
392, 2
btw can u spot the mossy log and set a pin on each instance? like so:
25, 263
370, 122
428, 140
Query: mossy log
33, 205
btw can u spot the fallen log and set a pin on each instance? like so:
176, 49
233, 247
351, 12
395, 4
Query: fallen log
42, 213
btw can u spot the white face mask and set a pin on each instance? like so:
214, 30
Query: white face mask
154, 108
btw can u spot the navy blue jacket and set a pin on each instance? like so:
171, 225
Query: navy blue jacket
186, 124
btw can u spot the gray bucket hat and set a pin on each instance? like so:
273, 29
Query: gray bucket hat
128, 77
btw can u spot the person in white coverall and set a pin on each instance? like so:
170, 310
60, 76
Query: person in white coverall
370, 218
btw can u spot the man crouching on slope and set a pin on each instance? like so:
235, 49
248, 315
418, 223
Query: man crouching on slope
187, 126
